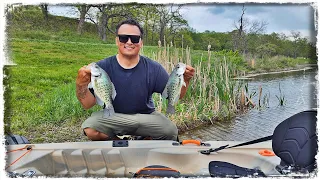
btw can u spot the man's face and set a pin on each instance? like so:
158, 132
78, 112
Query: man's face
128, 48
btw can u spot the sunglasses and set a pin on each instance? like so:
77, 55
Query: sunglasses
124, 38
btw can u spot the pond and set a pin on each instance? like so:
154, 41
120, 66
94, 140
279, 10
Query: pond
299, 92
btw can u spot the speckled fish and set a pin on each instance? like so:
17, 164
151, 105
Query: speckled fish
103, 89
173, 87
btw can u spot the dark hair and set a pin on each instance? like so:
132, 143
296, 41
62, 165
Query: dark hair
131, 22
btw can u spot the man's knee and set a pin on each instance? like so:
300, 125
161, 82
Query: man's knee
95, 135
170, 132
169, 129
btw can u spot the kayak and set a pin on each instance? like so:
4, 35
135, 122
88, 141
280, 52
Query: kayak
104, 159
289, 151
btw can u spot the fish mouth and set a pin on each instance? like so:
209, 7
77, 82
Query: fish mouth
96, 74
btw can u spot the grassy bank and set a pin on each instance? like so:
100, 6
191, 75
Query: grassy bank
275, 63
41, 102
40, 92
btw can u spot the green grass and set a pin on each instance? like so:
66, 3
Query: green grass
278, 63
41, 87
42, 84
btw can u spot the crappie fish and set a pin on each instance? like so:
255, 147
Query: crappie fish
104, 89
173, 87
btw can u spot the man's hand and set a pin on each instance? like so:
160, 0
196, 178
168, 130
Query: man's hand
84, 76
86, 99
188, 73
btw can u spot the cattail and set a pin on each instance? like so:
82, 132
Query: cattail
204, 86
226, 74
209, 63
242, 99
253, 63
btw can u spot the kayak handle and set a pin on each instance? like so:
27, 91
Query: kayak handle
191, 141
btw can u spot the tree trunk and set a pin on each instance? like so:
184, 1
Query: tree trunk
44, 9
83, 11
103, 24
153, 30
146, 28
162, 28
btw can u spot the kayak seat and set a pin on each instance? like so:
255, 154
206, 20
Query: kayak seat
294, 141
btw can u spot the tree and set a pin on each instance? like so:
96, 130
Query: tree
83, 9
176, 24
184, 37
266, 50
146, 14
296, 35
244, 27
169, 17
104, 14
44, 9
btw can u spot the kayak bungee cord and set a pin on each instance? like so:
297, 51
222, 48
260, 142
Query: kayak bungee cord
29, 148
207, 152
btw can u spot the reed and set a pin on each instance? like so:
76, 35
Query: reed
212, 92
281, 97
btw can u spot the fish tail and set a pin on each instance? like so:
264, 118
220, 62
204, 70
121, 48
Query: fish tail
108, 111
170, 109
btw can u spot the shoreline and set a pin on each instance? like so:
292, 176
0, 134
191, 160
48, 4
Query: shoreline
250, 76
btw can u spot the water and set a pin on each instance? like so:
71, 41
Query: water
299, 90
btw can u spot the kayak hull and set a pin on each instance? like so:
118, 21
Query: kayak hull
101, 159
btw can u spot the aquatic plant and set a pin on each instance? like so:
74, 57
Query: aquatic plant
281, 97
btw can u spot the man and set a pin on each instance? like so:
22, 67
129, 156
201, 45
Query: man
135, 79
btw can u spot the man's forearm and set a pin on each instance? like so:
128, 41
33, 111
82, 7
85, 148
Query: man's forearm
82, 91
86, 99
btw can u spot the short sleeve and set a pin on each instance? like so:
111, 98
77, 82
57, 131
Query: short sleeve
161, 79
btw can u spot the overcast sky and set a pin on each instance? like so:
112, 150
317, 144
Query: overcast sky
221, 17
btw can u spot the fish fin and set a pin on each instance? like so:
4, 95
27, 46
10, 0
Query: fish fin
98, 100
165, 93
170, 109
108, 112
114, 92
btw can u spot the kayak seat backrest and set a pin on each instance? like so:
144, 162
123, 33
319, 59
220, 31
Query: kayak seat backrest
295, 141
